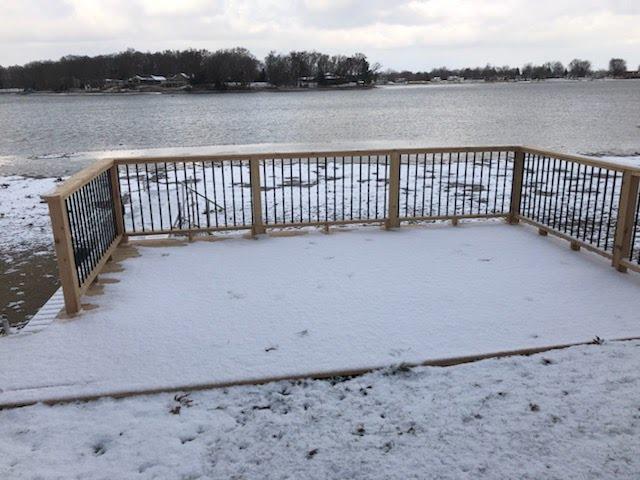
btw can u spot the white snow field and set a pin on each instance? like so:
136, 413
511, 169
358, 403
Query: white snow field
241, 309
567, 414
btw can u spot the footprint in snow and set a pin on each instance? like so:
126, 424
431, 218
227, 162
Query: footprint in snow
235, 295
271, 348
484, 259
329, 258
303, 333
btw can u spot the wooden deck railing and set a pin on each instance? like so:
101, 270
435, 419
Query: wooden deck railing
591, 203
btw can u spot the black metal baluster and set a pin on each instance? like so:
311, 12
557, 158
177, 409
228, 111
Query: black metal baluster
223, 176
595, 205
265, 189
133, 221
233, 193
275, 198
386, 181
242, 205
92, 222
76, 236
146, 174
575, 196
481, 185
504, 180
556, 190
86, 226
359, 187
283, 187
309, 183
155, 165
586, 220
635, 232
140, 198
433, 182
291, 195
300, 190
604, 206
206, 196
563, 214
85, 239
447, 184
368, 185
582, 194
456, 183
611, 201
489, 187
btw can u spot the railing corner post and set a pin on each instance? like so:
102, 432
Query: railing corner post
257, 225
64, 253
516, 186
393, 218
117, 203
626, 217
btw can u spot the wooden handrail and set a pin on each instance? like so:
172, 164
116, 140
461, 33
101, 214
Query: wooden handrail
80, 179
592, 162
609, 164
308, 154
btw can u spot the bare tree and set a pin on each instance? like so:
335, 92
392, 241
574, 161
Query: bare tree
617, 67
579, 68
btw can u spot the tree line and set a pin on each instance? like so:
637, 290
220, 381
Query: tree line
239, 67
577, 68
215, 69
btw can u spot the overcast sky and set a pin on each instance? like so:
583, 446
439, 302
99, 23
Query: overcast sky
417, 34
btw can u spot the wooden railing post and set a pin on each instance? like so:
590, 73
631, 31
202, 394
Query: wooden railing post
64, 253
393, 218
257, 226
626, 217
516, 186
117, 202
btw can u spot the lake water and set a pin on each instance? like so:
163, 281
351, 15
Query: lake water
43, 134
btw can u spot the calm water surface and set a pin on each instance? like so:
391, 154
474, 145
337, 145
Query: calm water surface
42, 134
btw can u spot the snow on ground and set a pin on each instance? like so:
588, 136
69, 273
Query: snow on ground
242, 309
567, 414
27, 264
24, 217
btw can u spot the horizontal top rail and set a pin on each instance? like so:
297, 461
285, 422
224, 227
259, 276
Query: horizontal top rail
80, 179
592, 162
309, 154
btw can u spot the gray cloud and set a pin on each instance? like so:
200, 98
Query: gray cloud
414, 34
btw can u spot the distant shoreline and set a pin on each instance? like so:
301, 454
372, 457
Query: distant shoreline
195, 91
205, 91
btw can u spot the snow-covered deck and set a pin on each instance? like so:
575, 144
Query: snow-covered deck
240, 309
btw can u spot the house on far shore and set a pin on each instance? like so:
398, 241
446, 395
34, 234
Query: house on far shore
307, 82
148, 80
323, 80
113, 82
178, 80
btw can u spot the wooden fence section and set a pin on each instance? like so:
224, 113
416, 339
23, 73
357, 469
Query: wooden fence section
593, 204
86, 219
